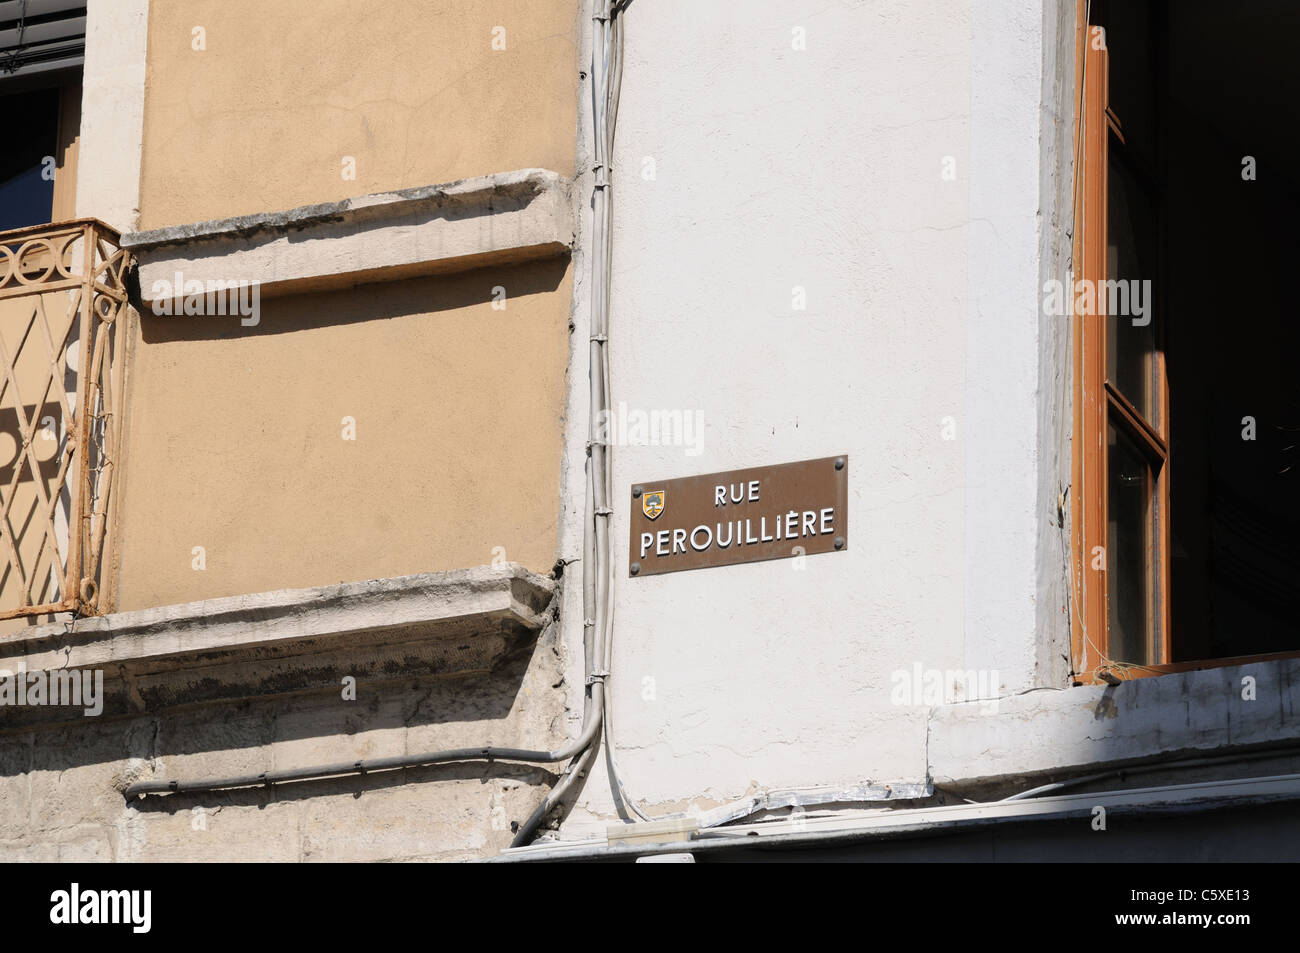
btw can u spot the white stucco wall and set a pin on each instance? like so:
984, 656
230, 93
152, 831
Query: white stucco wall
821, 168
1002, 327
112, 112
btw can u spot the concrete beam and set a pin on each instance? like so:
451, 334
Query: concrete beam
503, 218
288, 641
1059, 732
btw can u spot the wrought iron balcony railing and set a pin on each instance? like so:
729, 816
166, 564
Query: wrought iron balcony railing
63, 310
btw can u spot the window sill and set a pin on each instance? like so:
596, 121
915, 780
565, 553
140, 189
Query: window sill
1061, 731
1127, 671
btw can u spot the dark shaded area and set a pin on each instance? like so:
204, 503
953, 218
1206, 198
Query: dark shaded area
260, 722
283, 314
1205, 89
1233, 339
31, 134
1261, 833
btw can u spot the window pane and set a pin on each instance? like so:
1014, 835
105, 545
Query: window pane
1130, 261
1129, 571
1131, 84
31, 134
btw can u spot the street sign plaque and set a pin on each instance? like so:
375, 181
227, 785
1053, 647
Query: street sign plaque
739, 516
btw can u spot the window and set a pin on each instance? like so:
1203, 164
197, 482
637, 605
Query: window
38, 168
42, 45
1184, 488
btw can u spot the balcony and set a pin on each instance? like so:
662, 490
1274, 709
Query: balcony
63, 337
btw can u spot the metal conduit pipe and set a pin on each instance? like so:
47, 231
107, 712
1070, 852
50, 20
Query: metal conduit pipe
604, 138
366, 766
598, 571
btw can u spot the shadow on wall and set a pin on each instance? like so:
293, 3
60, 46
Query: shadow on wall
431, 294
93, 760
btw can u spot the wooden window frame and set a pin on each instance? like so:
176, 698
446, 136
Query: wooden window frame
1099, 405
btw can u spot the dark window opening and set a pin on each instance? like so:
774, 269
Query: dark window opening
28, 162
1203, 194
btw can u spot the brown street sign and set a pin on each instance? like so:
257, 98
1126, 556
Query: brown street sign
740, 516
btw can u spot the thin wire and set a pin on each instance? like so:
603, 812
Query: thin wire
1066, 378
11, 61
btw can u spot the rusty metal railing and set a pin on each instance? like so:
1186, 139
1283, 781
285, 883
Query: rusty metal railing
63, 301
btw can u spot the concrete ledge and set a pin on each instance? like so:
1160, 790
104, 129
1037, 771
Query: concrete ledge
1061, 732
502, 218
291, 640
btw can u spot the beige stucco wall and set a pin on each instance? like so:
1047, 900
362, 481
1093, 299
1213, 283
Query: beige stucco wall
235, 437
235, 434
262, 118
